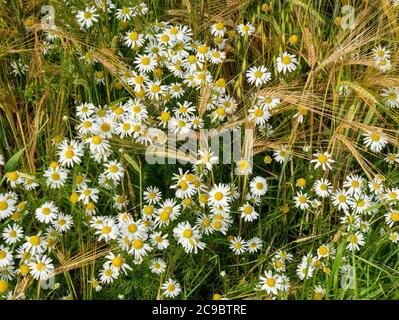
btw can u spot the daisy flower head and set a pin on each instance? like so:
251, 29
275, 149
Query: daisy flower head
248, 212
116, 262
157, 266
391, 97
171, 288
394, 237
286, 62
258, 186
219, 195
114, 170
145, 63
216, 56
380, 53
56, 176
238, 245
70, 153
159, 240
269, 282
133, 39
259, 114
322, 188
108, 230
258, 75
392, 158
375, 141
319, 292
340, 199
87, 17
323, 160
189, 237
169, 211
63, 222
7, 206
152, 195
302, 201
218, 29
85, 110
355, 241
244, 167
392, 217
47, 212
254, 245
41, 268
305, 270
282, 154
124, 14
207, 158
6, 256
12, 234
383, 65
108, 275
360, 203
354, 183
246, 29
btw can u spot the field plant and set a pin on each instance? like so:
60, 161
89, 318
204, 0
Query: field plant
96, 202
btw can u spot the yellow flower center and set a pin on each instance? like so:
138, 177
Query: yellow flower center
55, 176
302, 199
353, 239
375, 137
323, 250
106, 229
87, 15
69, 154
3, 205
96, 140
138, 244
322, 158
46, 211
164, 216
219, 26
133, 36
271, 282
188, 233
258, 113
395, 216
117, 262
248, 210
218, 196
258, 74
286, 60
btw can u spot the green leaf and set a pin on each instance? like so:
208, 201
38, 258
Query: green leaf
12, 163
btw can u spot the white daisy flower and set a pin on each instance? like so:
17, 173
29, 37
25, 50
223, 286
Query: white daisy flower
47, 212
41, 268
133, 39
157, 266
286, 62
238, 245
87, 17
258, 75
189, 237
375, 141
171, 288
12, 234
245, 29
323, 160
355, 241
269, 282
322, 188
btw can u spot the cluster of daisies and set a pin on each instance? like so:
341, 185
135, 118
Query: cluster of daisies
165, 65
